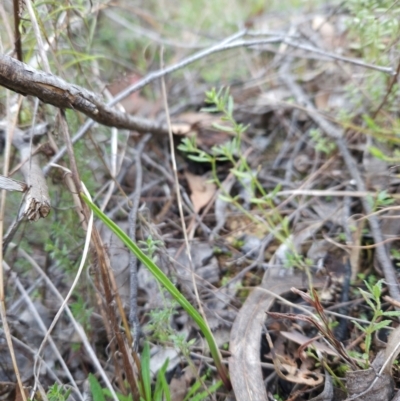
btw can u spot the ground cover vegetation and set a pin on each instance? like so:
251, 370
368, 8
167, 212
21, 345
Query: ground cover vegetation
199, 200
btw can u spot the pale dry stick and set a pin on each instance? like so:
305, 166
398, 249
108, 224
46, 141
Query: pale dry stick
337, 135
329, 192
372, 246
3, 314
133, 274
68, 296
42, 327
179, 199
308, 181
38, 36
51, 89
77, 326
189, 60
37, 199
386, 209
113, 169
392, 301
114, 165
13, 309
361, 63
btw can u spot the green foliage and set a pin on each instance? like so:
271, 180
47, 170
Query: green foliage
322, 143
159, 391
150, 246
95, 388
373, 298
382, 199
81, 311
221, 102
57, 392
373, 23
373, 31
160, 319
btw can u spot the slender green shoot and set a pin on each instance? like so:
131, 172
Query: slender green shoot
169, 286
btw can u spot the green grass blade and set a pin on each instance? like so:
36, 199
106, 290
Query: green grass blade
168, 285
95, 388
146, 376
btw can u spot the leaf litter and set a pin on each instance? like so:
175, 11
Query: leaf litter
289, 322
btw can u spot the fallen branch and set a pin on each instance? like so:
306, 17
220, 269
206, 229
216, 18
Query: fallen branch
21, 78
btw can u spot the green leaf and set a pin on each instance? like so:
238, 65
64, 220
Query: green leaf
95, 388
159, 387
376, 152
225, 198
204, 394
120, 396
359, 326
367, 345
146, 374
381, 325
377, 289
160, 276
200, 158
391, 313
370, 123
223, 128
209, 109
367, 296
193, 389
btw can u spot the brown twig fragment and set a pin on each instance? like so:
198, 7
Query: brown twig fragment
17, 34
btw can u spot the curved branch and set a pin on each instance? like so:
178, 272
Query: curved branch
21, 78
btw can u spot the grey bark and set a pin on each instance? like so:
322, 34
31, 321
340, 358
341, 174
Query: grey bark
23, 79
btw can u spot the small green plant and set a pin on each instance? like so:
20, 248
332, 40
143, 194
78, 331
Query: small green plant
161, 388
265, 212
81, 311
57, 392
382, 199
372, 298
159, 391
150, 246
322, 143
159, 325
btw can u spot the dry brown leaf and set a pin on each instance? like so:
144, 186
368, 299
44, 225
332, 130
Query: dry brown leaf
202, 190
179, 386
325, 29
